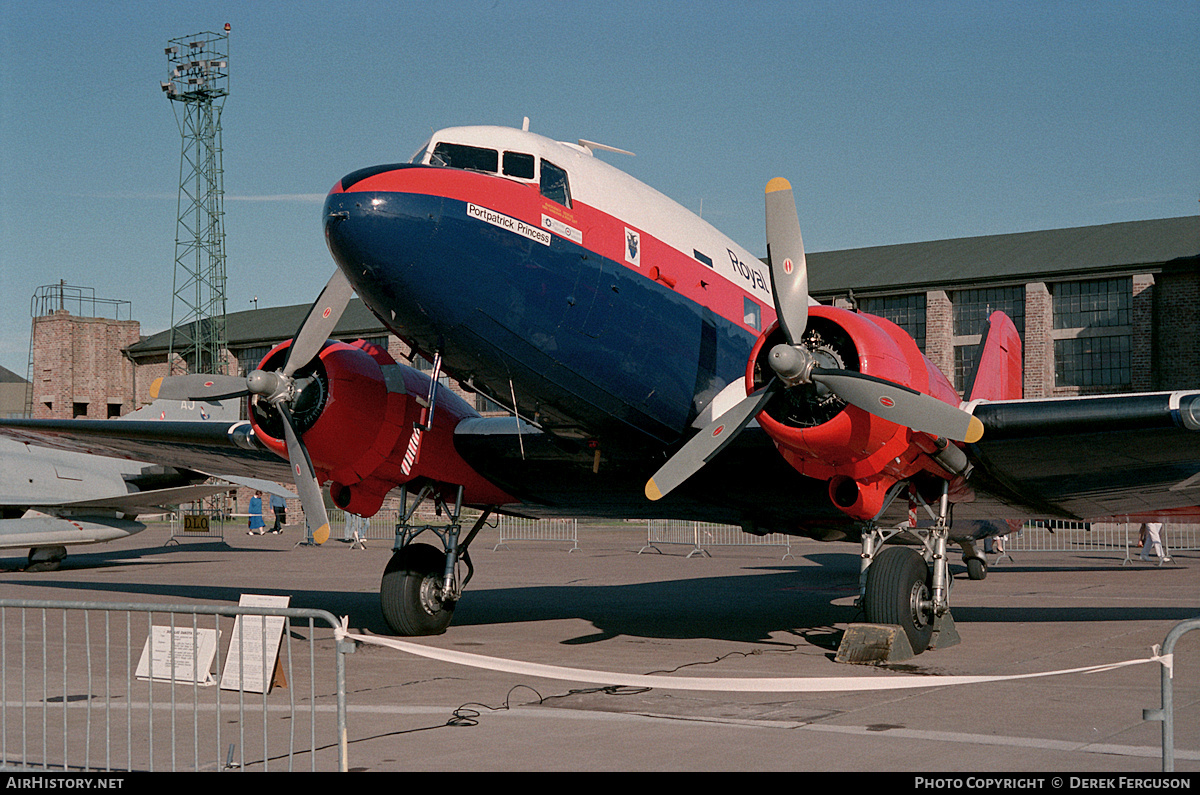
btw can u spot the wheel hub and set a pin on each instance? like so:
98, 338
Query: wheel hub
431, 594
920, 605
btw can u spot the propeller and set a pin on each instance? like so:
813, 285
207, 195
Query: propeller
280, 389
794, 364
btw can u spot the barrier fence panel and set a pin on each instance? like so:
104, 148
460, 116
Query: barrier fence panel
1117, 537
132, 687
201, 526
702, 536
515, 528
1166, 712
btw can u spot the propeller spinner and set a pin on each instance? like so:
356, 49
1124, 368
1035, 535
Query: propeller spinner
794, 364
279, 389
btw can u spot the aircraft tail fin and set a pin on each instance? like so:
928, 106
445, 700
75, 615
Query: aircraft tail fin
999, 373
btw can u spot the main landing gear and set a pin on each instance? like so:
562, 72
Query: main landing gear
421, 583
909, 588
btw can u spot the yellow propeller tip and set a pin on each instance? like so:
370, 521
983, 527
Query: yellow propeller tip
778, 184
974, 430
154, 387
652, 492
321, 535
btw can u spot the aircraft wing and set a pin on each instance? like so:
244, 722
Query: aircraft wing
140, 502
228, 448
1089, 457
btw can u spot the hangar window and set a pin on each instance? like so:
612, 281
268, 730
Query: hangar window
1093, 334
471, 158
1099, 303
519, 165
554, 184
1093, 362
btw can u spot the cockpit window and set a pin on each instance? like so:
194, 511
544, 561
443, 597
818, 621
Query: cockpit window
419, 157
554, 184
519, 165
471, 158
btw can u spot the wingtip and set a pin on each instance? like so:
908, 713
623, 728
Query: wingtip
778, 184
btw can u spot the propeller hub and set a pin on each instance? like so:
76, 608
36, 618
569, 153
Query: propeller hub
792, 363
272, 386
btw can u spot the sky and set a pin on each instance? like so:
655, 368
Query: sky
894, 121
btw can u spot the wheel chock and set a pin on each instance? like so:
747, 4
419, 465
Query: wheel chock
874, 644
945, 634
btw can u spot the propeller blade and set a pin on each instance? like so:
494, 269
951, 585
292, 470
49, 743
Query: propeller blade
319, 323
198, 386
901, 405
701, 448
306, 480
785, 252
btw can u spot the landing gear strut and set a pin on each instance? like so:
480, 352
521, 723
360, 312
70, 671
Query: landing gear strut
904, 587
421, 584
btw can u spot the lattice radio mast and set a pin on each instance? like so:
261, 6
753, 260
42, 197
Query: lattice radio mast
197, 87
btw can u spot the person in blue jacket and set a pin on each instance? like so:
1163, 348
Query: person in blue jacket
257, 525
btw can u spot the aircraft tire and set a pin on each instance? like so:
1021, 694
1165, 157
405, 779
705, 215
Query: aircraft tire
977, 568
897, 584
407, 593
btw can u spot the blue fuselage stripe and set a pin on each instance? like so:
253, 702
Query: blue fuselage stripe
594, 341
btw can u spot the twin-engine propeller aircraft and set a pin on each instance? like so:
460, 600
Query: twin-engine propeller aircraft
653, 368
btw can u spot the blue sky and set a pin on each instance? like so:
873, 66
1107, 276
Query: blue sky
895, 121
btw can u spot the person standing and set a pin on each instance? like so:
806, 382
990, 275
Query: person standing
257, 525
279, 507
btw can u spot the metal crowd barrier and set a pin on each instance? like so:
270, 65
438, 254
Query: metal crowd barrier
199, 526
102, 686
1118, 537
1166, 713
702, 536
515, 528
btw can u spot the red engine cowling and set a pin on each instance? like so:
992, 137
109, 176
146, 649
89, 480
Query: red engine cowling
861, 455
356, 413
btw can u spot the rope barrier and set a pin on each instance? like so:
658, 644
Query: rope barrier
803, 684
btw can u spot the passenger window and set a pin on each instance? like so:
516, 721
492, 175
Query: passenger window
554, 184
471, 158
753, 314
518, 165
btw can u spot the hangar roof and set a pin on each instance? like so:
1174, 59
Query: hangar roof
271, 325
1054, 254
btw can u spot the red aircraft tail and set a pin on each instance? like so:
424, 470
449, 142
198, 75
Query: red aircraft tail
999, 374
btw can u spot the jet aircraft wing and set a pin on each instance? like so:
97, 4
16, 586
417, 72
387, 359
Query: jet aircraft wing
228, 448
139, 502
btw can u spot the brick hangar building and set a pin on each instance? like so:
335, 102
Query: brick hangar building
1110, 308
